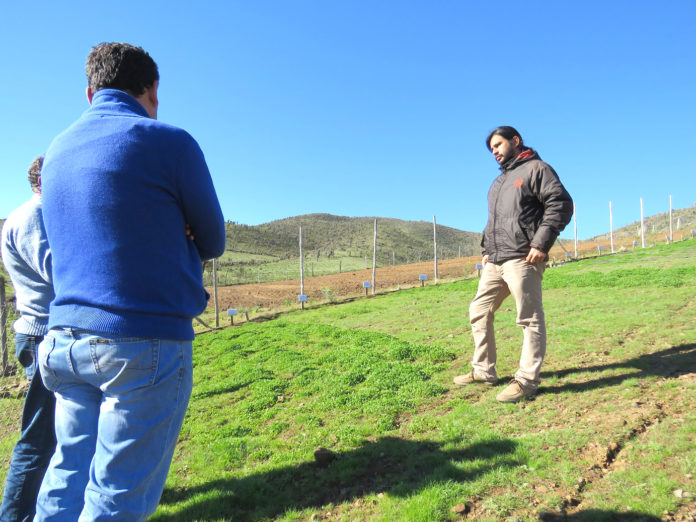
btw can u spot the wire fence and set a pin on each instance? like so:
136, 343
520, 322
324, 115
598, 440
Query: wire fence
657, 229
8, 363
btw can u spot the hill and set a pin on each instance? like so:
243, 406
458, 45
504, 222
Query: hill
329, 235
331, 244
683, 221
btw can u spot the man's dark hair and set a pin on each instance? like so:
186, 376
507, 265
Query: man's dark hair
120, 66
506, 132
35, 174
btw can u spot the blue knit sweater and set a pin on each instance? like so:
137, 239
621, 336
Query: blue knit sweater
119, 189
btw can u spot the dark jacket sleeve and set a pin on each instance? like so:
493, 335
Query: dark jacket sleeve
200, 202
557, 204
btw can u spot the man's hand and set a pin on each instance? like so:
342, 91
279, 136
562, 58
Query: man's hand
188, 232
484, 260
535, 256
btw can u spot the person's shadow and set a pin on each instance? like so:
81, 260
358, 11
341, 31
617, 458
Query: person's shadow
668, 363
397, 466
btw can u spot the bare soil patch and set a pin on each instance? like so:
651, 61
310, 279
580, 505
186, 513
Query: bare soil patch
347, 284
274, 295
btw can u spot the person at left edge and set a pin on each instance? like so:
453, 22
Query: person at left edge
27, 257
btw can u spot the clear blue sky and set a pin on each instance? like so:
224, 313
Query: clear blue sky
363, 108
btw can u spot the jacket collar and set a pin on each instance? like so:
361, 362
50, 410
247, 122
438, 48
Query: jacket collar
522, 157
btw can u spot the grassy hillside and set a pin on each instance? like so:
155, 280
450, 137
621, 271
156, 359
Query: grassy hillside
328, 234
610, 436
683, 221
332, 243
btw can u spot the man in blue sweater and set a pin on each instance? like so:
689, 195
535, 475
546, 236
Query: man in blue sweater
27, 257
130, 211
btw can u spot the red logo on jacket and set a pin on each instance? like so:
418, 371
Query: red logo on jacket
518, 182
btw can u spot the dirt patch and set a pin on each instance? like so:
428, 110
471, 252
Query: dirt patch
276, 294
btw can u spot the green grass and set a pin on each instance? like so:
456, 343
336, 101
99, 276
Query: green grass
611, 434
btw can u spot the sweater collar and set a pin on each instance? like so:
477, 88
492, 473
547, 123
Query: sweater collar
119, 100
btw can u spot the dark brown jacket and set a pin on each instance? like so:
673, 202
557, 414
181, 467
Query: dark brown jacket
527, 206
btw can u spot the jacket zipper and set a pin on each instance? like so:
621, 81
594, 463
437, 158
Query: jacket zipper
495, 214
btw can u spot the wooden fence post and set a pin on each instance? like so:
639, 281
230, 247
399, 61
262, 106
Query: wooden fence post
301, 270
575, 227
215, 294
374, 260
611, 228
642, 225
671, 232
435, 246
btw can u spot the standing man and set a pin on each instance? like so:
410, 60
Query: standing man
527, 208
27, 258
130, 211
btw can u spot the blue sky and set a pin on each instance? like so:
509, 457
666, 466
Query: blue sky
373, 108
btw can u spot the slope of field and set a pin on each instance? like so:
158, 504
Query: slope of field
610, 436
283, 293
347, 412
683, 221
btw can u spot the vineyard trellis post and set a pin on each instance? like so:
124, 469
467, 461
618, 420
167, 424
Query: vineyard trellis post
215, 294
301, 271
575, 227
611, 228
671, 237
642, 225
435, 246
374, 260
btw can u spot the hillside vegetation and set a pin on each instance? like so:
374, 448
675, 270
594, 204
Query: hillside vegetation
328, 235
610, 436
331, 244
683, 221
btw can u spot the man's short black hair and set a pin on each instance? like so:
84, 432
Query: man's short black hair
120, 66
35, 174
506, 132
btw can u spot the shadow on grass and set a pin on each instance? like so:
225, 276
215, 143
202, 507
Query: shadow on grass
665, 363
392, 465
598, 515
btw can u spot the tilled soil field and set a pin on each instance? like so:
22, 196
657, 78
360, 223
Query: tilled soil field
347, 284
276, 294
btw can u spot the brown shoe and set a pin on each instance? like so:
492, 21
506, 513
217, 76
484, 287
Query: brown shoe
516, 391
471, 377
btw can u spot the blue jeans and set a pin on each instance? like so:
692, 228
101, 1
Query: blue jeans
36, 443
120, 404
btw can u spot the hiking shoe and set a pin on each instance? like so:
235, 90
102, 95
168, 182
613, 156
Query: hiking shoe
516, 391
471, 377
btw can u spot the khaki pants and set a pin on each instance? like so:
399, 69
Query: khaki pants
523, 281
